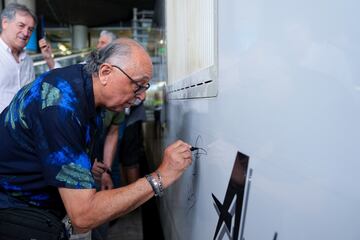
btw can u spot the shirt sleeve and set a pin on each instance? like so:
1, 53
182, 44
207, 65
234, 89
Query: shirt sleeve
61, 144
57, 65
29, 78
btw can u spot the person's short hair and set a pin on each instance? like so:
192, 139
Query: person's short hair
11, 9
113, 53
111, 35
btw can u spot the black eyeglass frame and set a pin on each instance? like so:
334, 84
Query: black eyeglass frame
140, 88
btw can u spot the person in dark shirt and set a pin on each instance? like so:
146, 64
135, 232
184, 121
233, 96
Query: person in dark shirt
46, 135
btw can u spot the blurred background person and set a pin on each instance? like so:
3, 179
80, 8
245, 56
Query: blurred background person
17, 24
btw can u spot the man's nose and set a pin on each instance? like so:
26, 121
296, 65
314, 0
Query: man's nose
27, 32
142, 96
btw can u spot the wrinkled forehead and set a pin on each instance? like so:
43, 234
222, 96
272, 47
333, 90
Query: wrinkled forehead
24, 17
145, 66
148, 70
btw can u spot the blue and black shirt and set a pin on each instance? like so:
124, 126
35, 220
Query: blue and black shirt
45, 135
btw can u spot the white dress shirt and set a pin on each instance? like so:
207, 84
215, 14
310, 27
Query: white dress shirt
13, 75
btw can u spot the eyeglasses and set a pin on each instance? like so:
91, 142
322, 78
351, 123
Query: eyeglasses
140, 88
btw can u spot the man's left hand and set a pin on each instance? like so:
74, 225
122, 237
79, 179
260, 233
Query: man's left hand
106, 181
98, 169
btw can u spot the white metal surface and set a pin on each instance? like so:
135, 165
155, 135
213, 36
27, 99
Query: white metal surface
192, 48
288, 97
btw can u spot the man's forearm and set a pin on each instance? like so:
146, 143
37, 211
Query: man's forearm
50, 62
88, 209
110, 145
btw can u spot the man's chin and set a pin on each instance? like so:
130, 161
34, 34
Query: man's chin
117, 109
127, 105
22, 43
21, 47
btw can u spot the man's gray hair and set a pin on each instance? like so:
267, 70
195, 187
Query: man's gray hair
113, 53
111, 35
11, 9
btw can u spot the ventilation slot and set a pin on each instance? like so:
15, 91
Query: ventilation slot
190, 87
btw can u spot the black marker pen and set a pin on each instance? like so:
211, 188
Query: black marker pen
194, 148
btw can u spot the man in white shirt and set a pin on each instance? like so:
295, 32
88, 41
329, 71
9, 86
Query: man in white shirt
17, 66
17, 24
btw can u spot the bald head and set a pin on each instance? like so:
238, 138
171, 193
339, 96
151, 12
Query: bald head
136, 56
121, 73
123, 52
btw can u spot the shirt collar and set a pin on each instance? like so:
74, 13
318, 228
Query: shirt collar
22, 54
89, 91
4, 45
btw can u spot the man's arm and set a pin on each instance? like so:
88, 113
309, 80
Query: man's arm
98, 169
110, 146
46, 52
88, 208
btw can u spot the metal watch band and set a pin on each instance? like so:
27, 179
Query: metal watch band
155, 184
160, 181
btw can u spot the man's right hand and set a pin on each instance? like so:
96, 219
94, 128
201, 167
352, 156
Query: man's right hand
46, 52
45, 48
177, 158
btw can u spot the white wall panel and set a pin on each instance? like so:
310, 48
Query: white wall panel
288, 97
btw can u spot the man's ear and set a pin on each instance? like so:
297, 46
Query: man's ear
4, 23
104, 73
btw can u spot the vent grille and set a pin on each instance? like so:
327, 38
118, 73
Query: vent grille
191, 86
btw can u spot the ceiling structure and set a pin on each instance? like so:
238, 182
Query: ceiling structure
95, 13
